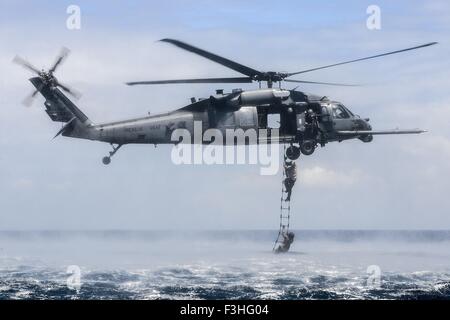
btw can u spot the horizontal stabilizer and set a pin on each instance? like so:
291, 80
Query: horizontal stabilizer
68, 126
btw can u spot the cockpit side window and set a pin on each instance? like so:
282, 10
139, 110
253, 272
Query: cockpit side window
339, 112
348, 111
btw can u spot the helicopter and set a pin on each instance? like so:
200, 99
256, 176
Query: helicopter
306, 121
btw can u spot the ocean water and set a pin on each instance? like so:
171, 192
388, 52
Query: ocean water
224, 265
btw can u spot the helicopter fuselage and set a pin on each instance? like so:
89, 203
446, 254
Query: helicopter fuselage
301, 117
305, 121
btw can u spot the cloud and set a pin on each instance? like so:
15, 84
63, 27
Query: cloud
23, 184
437, 146
322, 177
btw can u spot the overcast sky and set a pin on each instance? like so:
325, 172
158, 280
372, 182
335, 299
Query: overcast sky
395, 182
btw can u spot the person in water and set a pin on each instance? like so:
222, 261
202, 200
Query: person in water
288, 239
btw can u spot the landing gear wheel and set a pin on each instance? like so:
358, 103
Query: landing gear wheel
307, 147
293, 153
107, 160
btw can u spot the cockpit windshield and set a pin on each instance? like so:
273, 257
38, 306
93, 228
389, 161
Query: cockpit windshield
340, 112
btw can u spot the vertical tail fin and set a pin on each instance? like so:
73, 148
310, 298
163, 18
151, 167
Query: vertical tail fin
58, 107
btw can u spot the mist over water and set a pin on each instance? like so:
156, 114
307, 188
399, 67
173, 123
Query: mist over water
224, 264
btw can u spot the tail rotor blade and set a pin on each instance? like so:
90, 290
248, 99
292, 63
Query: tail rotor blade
22, 62
74, 93
60, 59
28, 101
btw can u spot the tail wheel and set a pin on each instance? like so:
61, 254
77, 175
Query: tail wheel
106, 160
293, 153
308, 147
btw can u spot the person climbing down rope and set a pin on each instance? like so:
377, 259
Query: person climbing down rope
285, 238
288, 239
290, 170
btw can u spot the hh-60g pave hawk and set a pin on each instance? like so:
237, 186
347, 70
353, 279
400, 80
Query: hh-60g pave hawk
306, 120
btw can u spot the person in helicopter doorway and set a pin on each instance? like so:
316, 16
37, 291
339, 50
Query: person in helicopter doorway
288, 239
311, 123
290, 170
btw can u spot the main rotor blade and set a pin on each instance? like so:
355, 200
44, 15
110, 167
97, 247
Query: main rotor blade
361, 59
22, 62
213, 57
60, 59
324, 83
206, 80
69, 90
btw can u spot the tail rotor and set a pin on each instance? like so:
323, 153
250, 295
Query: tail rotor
47, 77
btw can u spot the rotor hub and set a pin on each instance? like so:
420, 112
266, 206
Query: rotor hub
48, 77
271, 76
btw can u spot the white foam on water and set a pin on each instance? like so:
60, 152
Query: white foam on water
211, 268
